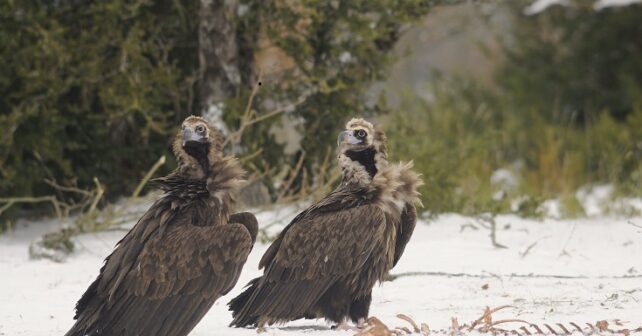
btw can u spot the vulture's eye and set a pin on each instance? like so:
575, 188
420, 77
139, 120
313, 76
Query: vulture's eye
361, 133
200, 129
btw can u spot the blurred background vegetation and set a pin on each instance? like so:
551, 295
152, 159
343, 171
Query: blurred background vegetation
499, 110
560, 110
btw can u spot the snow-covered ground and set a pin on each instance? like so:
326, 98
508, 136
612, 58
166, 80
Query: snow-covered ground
539, 6
580, 271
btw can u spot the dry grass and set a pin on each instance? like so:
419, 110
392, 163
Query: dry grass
485, 324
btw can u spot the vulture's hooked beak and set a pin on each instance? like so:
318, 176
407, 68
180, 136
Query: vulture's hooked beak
194, 135
349, 137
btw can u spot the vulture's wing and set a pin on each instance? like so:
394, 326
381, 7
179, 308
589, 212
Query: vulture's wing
315, 251
335, 202
164, 282
404, 230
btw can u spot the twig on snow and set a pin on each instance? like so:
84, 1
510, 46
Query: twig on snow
493, 229
636, 225
528, 250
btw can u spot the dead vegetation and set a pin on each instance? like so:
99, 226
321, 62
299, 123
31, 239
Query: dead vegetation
80, 212
88, 216
486, 324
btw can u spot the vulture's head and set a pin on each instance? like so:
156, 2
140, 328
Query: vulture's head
362, 151
197, 146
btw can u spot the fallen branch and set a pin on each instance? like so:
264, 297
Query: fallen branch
636, 225
393, 277
409, 320
490, 219
527, 250
487, 315
485, 325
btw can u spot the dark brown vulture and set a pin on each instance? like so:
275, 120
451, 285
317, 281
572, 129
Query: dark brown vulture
326, 261
184, 253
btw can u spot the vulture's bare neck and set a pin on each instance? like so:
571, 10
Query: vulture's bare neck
359, 168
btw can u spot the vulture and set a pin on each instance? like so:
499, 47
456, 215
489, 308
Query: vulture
325, 263
185, 252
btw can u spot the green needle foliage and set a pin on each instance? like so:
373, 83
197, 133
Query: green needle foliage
91, 88
97, 88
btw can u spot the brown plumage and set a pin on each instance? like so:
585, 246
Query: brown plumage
326, 261
184, 253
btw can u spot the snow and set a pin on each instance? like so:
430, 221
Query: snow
600, 4
551, 208
580, 270
504, 179
538, 6
595, 199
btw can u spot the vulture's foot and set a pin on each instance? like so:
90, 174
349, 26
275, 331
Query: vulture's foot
344, 326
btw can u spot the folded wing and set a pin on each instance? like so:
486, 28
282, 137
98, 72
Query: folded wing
313, 252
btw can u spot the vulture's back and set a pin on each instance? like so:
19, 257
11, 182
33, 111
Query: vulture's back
166, 273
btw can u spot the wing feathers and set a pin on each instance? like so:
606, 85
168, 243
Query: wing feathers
308, 258
404, 231
170, 279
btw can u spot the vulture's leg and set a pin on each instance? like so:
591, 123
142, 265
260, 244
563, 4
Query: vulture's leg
248, 220
334, 305
359, 309
261, 326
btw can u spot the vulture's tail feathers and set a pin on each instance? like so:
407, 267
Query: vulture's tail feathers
236, 306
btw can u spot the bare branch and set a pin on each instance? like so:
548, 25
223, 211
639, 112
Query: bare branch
249, 118
55, 185
13, 200
293, 174
150, 173
97, 197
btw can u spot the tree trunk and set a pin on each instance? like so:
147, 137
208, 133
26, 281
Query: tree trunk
220, 72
